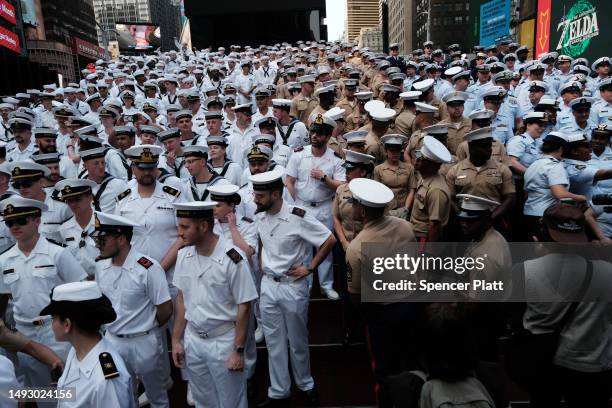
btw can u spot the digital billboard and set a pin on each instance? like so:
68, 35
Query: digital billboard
138, 36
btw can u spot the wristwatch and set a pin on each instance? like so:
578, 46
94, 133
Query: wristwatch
322, 179
239, 349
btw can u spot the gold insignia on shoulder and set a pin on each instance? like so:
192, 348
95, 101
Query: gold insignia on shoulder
109, 369
124, 194
171, 191
234, 255
96, 221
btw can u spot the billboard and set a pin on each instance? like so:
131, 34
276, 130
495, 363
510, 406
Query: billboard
10, 40
7, 12
576, 28
87, 49
494, 21
138, 36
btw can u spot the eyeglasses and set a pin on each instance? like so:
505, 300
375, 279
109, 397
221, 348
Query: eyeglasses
22, 184
17, 221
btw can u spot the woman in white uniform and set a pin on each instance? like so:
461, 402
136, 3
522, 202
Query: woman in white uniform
93, 368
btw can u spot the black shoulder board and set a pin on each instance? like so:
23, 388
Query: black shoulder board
8, 271
300, 212
298, 149
124, 194
145, 262
109, 369
247, 219
56, 243
171, 191
55, 196
234, 255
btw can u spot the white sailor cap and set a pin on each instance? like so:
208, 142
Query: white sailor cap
111, 223
570, 86
424, 85
548, 103
581, 102
456, 96
437, 129
246, 108
27, 169
258, 151
356, 136
355, 159
46, 158
536, 67
576, 137
325, 89
268, 121
185, 113
382, 114
391, 88
216, 141
5, 105
321, 119
18, 207
473, 206
94, 153
535, 85
534, 117
364, 95
44, 132
307, 78
125, 130
479, 134
373, 105
22, 95
152, 130
425, 108
263, 138
452, 71
225, 192
434, 150
335, 113
370, 193
144, 156
268, 180
20, 123
74, 187
394, 139
599, 61
195, 150
277, 102
195, 209
76, 292
496, 92
410, 95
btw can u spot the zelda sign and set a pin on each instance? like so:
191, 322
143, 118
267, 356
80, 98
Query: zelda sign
577, 28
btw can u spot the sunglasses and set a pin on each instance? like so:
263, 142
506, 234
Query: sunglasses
17, 221
83, 236
22, 184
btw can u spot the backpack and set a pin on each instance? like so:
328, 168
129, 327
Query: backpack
466, 393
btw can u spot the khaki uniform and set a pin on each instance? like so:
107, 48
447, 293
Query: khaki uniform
400, 179
337, 143
399, 105
375, 148
432, 202
414, 143
404, 122
445, 167
492, 181
282, 92
456, 133
318, 109
378, 230
347, 105
342, 209
442, 113
498, 152
355, 120
12, 340
377, 88
302, 106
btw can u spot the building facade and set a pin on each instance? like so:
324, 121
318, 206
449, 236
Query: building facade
400, 14
360, 14
164, 13
444, 22
371, 37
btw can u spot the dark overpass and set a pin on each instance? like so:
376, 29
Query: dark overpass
245, 22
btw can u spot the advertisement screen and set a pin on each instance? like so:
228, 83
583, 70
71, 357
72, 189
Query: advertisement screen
494, 21
138, 36
576, 28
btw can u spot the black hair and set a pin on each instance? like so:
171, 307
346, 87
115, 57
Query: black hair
549, 146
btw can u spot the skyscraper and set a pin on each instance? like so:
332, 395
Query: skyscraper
360, 14
400, 16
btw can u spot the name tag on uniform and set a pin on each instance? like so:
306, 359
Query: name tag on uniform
45, 266
70, 239
461, 177
7, 271
165, 208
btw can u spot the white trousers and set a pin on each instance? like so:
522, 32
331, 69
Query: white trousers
213, 385
142, 356
284, 314
323, 213
37, 374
